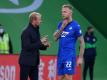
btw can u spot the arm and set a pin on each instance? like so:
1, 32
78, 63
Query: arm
81, 40
26, 42
78, 34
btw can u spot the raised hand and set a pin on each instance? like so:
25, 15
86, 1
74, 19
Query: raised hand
59, 32
45, 41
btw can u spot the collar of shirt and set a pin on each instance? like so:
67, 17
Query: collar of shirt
30, 25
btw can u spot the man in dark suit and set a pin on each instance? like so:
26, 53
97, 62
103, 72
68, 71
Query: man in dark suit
31, 44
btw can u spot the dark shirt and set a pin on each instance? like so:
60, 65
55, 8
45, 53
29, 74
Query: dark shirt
91, 40
31, 44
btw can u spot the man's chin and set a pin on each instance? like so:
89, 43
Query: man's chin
36, 25
64, 17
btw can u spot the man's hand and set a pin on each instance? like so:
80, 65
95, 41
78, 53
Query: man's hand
45, 41
59, 32
79, 61
56, 35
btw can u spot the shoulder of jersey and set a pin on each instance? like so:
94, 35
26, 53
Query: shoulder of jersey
76, 23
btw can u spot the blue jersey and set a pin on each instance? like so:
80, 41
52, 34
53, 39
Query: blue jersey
68, 39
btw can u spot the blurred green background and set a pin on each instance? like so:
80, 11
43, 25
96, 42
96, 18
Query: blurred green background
86, 12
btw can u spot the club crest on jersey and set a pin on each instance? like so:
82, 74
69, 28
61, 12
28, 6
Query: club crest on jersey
64, 34
70, 28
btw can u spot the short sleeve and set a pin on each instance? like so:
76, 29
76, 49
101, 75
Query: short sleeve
78, 31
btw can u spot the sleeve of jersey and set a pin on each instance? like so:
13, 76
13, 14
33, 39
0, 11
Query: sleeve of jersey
78, 31
59, 25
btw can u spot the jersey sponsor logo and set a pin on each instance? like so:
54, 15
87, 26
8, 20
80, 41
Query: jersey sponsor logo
34, 6
64, 34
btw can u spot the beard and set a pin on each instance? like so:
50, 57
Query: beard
64, 17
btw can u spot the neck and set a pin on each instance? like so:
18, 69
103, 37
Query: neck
34, 25
69, 19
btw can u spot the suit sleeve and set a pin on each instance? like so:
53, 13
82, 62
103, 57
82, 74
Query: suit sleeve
43, 47
26, 42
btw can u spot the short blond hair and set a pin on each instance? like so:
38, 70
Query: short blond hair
33, 16
67, 6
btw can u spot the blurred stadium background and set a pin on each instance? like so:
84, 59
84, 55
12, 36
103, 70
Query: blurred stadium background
86, 12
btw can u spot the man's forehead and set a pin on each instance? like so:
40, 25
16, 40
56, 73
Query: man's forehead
35, 14
66, 8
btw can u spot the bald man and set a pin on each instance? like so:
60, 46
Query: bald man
31, 44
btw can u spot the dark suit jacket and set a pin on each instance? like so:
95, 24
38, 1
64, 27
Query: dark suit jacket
31, 44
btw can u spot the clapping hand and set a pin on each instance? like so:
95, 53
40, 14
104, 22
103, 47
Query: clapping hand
45, 41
